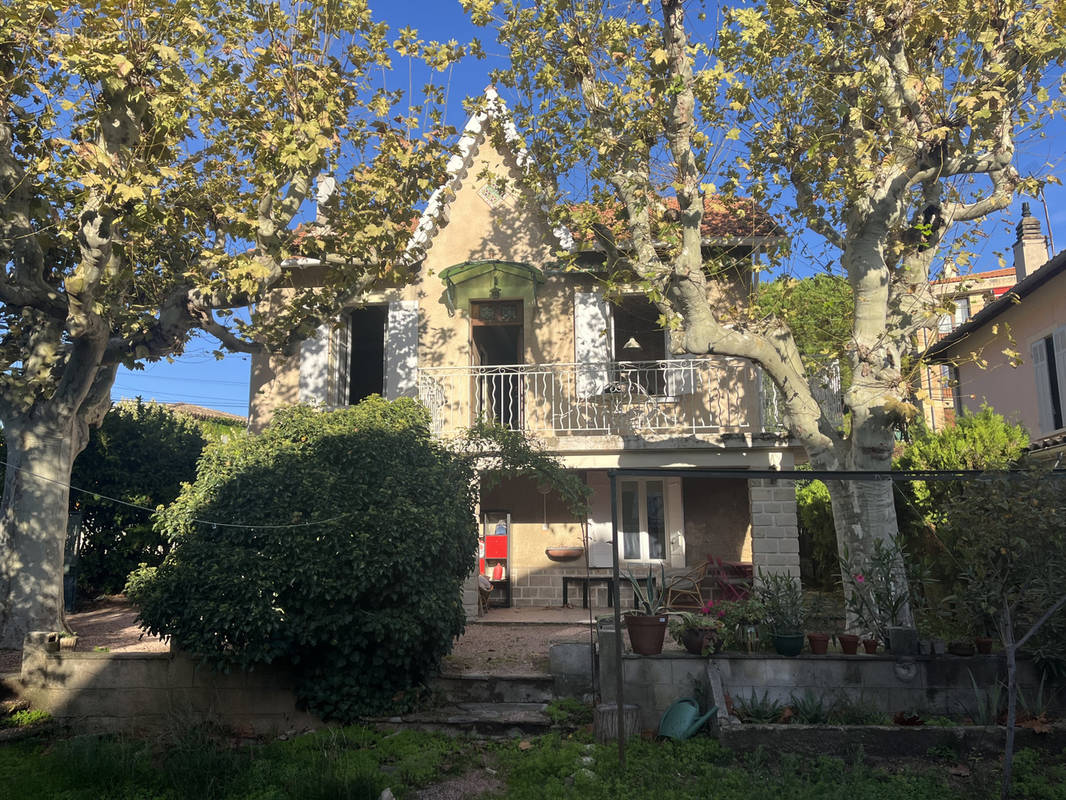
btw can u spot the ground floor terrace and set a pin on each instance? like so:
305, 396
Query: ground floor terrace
667, 512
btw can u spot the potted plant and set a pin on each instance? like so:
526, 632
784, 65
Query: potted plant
782, 598
818, 623
875, 590
647, 626
742, 619
869, 644
849, 643
699, 633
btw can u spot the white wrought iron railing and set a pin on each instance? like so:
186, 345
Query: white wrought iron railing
710, 394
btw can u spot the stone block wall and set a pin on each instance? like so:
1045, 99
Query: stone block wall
538, 588
105, 692
929, 684
774, 527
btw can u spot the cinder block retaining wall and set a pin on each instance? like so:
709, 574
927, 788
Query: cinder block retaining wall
144, 691
931, 685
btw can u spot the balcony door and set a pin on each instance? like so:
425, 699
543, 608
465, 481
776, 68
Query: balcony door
496, 349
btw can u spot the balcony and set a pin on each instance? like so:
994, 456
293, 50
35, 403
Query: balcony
710, 395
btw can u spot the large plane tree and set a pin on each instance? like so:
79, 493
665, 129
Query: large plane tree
156, 159
883, 126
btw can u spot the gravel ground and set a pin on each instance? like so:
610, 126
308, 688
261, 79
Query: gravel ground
509, 649
109, 622
506, 649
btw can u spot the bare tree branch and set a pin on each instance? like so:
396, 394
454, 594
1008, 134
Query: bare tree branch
818, 223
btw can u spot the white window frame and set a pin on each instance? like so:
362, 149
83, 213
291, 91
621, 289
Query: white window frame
642, 517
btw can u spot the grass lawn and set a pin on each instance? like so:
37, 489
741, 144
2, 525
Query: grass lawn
359, 763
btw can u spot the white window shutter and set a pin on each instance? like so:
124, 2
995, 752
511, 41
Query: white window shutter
592, 343
1059, 341
1043, 385
313, 387
343, 337
401, 350
675, 522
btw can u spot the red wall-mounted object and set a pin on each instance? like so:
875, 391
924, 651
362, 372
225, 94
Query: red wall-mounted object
495, 547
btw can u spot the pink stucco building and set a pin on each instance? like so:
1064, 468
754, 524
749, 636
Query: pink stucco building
1012, 354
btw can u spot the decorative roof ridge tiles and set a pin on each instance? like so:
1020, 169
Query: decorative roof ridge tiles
977, 276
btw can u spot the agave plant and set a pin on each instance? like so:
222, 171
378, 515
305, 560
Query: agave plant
650, 597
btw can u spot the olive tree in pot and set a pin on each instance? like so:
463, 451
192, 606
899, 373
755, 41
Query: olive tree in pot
782, 598
647, 626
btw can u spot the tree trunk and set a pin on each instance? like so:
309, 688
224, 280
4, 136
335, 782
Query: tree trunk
33, 524
864, 512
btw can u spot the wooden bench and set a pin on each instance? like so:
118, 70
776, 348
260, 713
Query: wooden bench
585, 581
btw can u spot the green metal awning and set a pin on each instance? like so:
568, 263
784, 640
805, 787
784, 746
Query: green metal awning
484, 280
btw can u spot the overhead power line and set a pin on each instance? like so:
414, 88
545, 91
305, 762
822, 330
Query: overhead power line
214, 523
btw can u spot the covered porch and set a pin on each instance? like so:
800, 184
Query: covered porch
709, 531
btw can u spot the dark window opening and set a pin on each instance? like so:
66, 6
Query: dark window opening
638, 337
1053, 383
366, 367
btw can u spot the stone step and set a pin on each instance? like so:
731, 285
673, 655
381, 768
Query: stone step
488, 720
482, 688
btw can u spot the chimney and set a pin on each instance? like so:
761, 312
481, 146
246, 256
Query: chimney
1030, 251
324, 197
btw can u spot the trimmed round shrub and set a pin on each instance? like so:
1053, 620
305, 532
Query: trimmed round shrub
335, 542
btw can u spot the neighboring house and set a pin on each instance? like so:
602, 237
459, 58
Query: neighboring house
493, 327
966, 295
1012, 354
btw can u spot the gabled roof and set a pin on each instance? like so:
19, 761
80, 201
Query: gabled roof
726, 220
493, 109
1019, 291
976, 276
201, 412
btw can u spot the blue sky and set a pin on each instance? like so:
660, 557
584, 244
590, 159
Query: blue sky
197, 377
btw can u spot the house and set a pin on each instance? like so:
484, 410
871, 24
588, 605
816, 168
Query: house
1012, 354
965, 296
494, 327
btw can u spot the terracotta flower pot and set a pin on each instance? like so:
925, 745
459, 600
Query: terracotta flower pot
870, 646
849, 643
646, 633
564, 553
819, 643
984, 645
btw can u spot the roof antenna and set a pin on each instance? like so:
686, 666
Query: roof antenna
1050, 239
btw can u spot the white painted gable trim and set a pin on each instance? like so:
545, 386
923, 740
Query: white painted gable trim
436, 213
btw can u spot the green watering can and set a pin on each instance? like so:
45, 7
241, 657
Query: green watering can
683, 719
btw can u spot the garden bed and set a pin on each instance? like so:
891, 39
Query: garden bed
888, 741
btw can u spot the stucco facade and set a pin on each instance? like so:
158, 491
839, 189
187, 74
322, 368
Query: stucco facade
493, 327
1012, 355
